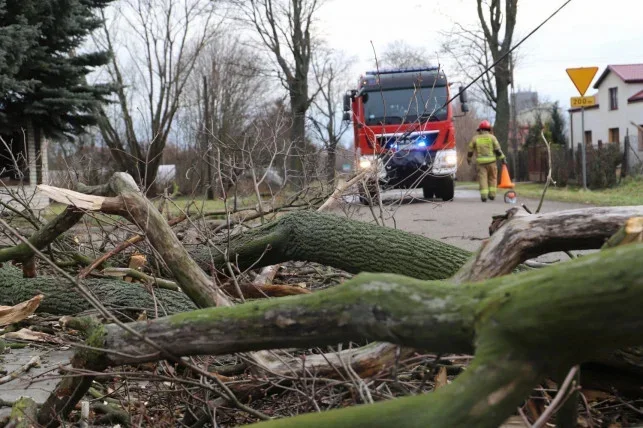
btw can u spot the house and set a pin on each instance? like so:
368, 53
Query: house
23, 165
619, 102
526, 110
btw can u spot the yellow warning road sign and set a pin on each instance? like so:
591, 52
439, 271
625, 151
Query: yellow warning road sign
582, 77
577, 102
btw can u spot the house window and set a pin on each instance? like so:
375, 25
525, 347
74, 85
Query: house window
640, 138
613, 98
588, 138
614, 136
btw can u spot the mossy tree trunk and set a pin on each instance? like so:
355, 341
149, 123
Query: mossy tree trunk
351, 245
62, 299
515, 323
523, 328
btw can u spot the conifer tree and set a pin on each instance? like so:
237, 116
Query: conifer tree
43, 70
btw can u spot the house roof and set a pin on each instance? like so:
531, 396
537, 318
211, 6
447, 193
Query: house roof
629, 73
638, 97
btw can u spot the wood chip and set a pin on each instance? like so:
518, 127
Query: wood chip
441, 378
14, 314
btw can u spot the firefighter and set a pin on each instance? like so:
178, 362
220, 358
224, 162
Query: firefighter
487, 150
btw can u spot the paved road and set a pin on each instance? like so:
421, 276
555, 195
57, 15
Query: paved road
463, 222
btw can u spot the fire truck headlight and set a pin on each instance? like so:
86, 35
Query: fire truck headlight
451, 159
364, 163
446, 159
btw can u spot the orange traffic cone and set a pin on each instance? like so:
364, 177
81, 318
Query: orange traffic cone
505, 180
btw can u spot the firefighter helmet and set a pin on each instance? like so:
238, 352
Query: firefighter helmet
484, 125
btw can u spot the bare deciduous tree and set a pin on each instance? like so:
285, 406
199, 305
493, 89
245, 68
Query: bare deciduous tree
492, 21
400, 54
156, 44
470, 52
284, 27
476, 50
227, 86
330, 70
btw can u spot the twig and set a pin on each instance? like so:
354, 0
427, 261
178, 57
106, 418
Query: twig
33, 362
628, 405
160, 282
558, 400
121, 247
84, 414
341, 189
550, 180
86, 293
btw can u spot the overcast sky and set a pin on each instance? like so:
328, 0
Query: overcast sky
585, 33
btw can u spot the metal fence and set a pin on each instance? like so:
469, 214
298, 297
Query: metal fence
531, 163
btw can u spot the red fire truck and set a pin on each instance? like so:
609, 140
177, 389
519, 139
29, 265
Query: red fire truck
403, 128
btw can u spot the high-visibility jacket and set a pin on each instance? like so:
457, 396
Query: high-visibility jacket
486, 148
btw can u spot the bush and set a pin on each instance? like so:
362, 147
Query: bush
601, 166
560, 165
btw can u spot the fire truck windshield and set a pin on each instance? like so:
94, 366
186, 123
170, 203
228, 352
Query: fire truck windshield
395, 106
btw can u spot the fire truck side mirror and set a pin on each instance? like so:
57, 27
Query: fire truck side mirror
347, 103
464, 100
346, 117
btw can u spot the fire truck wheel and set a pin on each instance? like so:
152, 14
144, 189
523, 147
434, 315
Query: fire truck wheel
428, 192
447, 190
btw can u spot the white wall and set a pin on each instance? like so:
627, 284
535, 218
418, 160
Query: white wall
600, 120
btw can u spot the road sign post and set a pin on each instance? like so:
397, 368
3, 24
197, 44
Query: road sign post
582, 78
583, 149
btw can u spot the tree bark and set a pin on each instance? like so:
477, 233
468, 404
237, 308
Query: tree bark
331, 160
501, 124
62, 299
524, 326
351, 245
527, 236
518, 322
132, 205
368, 307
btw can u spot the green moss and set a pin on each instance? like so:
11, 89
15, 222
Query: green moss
23, 412
95, 334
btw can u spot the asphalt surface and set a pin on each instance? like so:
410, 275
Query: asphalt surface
463, 222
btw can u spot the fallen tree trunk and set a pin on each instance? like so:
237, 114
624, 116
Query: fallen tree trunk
350, 245
327, 246
526, 237
61, 299
355, 246
524, 326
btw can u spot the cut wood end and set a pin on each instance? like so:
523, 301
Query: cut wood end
71, 197
634, 226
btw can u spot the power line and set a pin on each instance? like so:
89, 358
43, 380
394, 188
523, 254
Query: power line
531, 33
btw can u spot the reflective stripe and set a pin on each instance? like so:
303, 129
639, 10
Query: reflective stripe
486, 159
484, 192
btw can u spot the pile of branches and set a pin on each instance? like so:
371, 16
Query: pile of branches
394, 330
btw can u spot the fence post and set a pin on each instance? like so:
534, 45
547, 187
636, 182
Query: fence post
626, 157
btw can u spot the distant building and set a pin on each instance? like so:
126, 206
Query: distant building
526, 108
524, 100
619, 102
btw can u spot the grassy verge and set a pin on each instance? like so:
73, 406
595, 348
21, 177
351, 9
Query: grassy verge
629, 192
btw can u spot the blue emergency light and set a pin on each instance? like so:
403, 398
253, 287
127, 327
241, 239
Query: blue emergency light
401, 70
